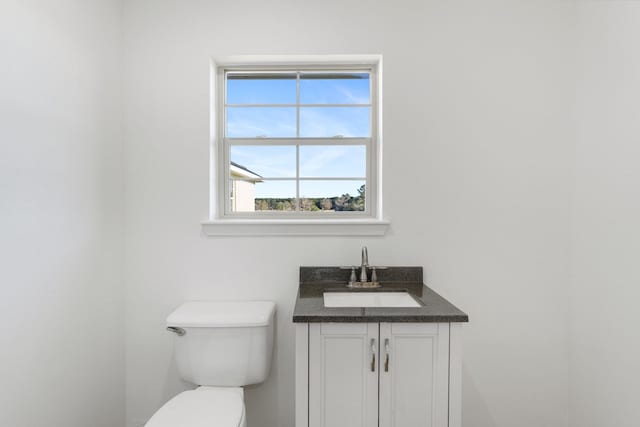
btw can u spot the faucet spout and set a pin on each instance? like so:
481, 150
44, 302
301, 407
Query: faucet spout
364, 265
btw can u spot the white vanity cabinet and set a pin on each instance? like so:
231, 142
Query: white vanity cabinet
343, 374
377, 375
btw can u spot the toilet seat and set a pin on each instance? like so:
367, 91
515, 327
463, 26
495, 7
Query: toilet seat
202, 407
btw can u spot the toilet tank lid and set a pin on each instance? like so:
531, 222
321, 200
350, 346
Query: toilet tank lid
222, 314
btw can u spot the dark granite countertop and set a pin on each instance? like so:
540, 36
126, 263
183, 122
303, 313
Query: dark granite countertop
314, 281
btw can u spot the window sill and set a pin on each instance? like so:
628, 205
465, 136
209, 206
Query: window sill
293, 227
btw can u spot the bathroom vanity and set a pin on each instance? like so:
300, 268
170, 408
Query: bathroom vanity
383, 357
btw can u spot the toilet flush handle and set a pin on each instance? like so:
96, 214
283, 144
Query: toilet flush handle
178, 331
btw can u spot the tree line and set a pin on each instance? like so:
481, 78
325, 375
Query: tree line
346, 202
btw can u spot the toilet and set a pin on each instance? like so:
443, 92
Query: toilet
220, 346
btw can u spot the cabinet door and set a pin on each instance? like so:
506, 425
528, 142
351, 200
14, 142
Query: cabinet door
343, 375
414, 371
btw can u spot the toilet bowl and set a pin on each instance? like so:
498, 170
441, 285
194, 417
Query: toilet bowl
203, 407
220, 346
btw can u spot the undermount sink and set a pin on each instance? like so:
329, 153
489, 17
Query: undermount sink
369, 299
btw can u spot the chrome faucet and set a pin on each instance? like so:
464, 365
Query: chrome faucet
364, 264
365, 281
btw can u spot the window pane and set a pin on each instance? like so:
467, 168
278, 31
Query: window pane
275, 196
334, 88
246, 88
264, 122
332, 195
335, 121
270, 161
333, 161
250, 196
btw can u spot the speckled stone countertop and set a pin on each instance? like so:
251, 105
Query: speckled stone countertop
314, 281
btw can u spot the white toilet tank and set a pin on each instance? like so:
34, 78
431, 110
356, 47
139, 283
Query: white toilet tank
225, 343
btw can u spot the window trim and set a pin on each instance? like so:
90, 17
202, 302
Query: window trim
219, 214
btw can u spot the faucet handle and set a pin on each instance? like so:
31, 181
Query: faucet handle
374, 275
353, 278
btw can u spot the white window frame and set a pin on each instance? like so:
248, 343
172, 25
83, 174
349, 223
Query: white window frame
224, 222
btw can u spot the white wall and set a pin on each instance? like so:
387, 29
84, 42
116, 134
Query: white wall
605, 342
475, 103
479, 109
61, 308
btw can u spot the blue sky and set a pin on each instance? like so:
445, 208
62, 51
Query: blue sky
315, 161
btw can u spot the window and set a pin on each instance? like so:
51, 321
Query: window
297, 141
296, 146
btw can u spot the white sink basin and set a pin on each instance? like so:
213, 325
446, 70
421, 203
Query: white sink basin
369, 299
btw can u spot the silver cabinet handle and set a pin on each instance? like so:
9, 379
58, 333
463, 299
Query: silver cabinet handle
178, 331
386, 351
373, 355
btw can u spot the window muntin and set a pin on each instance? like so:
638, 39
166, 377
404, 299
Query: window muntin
308, 136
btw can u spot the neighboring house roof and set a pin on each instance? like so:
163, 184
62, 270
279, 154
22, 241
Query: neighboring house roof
243, 172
